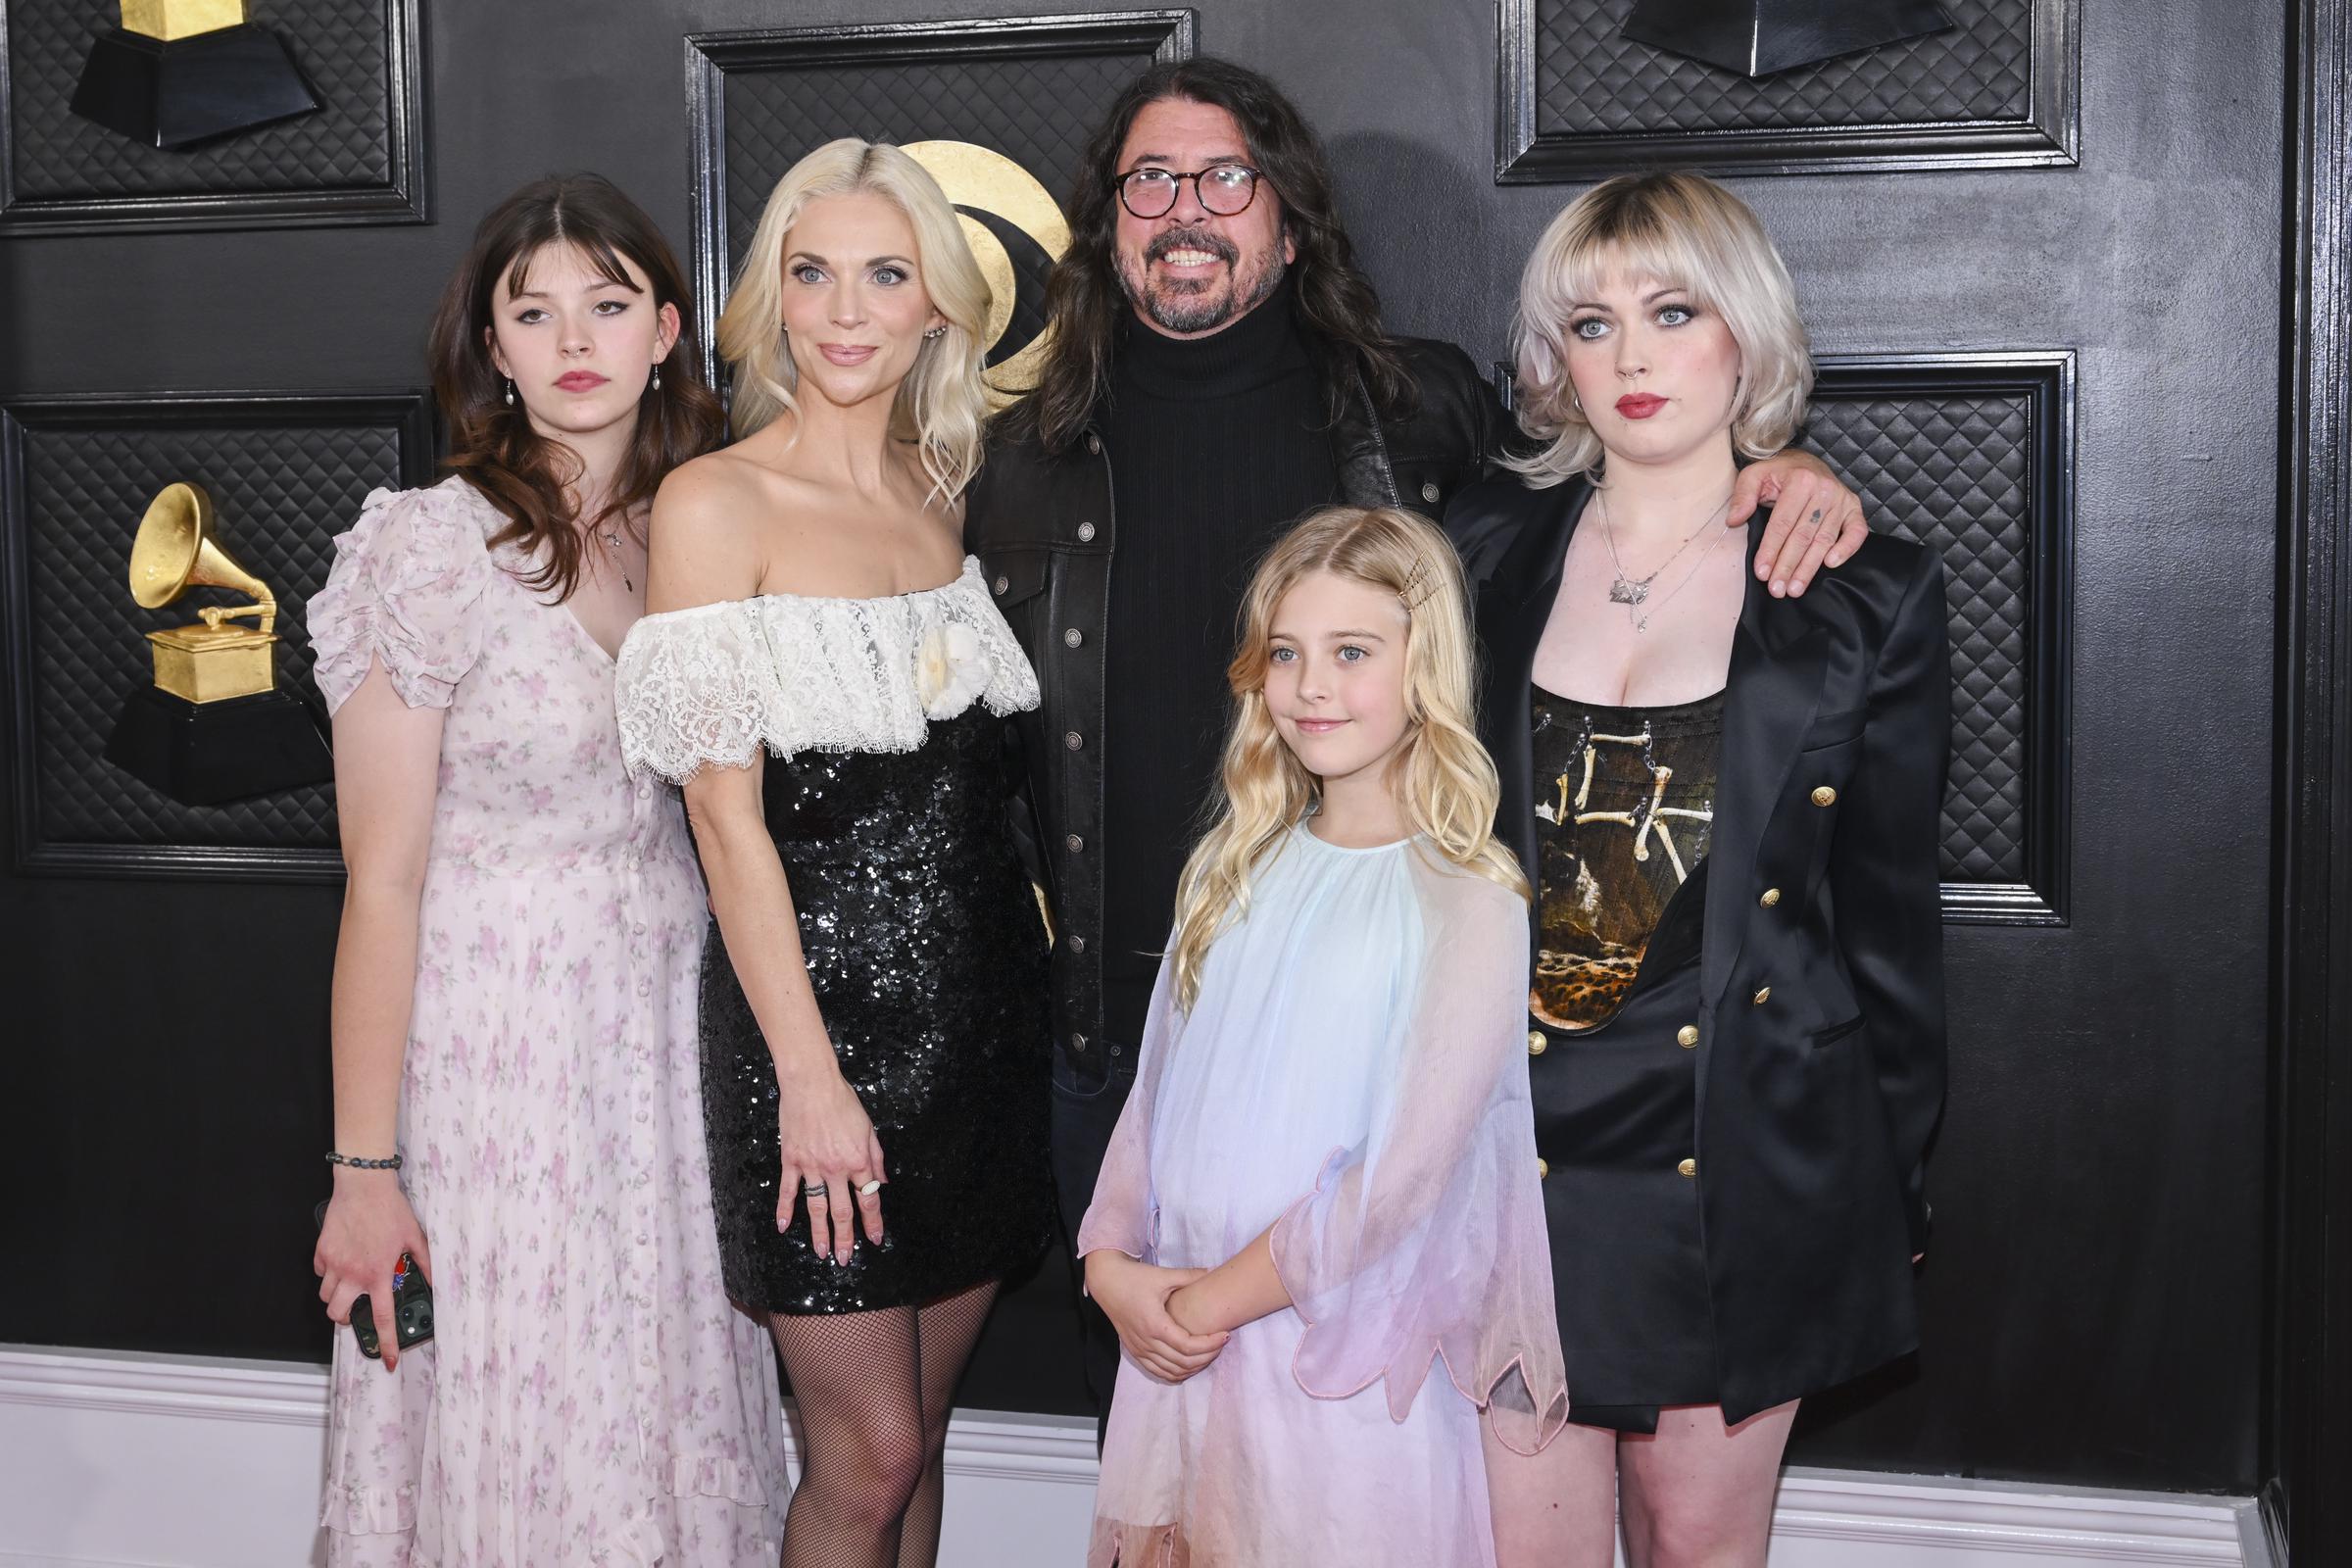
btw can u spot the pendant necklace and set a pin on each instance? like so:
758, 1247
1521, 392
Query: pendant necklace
1631, 591
613, 543
1642, 624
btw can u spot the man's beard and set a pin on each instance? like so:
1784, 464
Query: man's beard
1199, 305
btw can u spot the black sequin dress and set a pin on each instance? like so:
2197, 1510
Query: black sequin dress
886, 796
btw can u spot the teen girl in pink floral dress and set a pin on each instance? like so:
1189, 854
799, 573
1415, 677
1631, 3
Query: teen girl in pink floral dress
515, 988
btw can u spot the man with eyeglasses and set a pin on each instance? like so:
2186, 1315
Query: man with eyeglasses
1217, 367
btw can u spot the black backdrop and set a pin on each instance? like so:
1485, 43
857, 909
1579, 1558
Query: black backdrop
2096, 1298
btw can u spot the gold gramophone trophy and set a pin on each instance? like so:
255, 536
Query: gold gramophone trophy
214, 726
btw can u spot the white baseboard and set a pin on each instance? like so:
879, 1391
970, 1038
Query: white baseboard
137, 1461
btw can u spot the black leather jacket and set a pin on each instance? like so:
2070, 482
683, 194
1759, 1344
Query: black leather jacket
1043, 526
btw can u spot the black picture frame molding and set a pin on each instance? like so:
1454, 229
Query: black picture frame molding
2047, 136
408, 412
403, 198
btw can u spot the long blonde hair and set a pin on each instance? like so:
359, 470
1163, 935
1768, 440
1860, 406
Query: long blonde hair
1442, 778
1681, 229
942, 403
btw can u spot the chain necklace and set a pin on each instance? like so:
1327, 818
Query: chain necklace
1631, 591
1643, 622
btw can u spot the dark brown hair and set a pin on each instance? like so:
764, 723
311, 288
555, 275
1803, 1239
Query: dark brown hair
492, 444
1084, 299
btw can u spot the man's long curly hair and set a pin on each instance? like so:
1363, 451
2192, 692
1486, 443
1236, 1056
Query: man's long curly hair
1085, 301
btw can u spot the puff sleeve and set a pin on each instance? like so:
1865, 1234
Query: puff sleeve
405, 591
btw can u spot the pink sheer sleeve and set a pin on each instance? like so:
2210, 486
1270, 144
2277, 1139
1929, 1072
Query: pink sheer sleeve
1123, 1216
1428, 1239
403, 592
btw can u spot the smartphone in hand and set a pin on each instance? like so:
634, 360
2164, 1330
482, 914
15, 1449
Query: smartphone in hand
412, 1307
412, 1311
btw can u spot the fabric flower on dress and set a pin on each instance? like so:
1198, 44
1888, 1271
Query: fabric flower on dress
949, 671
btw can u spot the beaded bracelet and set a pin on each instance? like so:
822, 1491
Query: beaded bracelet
333, 1158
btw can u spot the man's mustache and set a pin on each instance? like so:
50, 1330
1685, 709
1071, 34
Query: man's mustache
1193, 239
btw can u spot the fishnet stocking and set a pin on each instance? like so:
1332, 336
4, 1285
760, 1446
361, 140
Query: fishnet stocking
875, 1390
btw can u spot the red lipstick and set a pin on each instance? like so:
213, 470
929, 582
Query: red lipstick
1639, 404
579, 380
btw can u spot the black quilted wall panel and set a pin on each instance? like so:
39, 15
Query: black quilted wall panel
1969, 460
1579, 100
1951, 473
1590, 78
359, 144
281, 491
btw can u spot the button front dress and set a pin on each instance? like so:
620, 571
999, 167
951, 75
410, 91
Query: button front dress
1624, 810
886, 795
589, 1397
1351, 1073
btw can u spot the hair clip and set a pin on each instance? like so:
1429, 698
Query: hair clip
1419, 584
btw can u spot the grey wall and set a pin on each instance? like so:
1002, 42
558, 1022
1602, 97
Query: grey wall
2095, 1298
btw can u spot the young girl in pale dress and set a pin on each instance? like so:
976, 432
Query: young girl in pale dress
516, 1101
1319, 1230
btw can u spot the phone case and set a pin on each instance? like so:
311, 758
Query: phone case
412, 1311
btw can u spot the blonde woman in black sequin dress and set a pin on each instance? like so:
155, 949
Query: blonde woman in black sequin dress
828, 676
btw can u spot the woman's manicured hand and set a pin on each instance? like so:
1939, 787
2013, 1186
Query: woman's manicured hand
1815, 521
826, 1138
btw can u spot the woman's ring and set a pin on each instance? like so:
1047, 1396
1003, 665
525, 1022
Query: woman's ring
813, 1189
871, 1188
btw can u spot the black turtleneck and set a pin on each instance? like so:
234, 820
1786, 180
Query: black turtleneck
1216, 444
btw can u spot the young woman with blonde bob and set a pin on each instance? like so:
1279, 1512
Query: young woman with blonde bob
1318, 1230
827, 674
1729, 803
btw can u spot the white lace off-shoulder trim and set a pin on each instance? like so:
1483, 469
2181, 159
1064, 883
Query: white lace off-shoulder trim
800, 674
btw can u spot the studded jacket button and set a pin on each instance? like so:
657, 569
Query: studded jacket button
1086, 532
1074, 844
1542, 1167
1762, 996
1428, 492
1537, 1044
1073, 740
1077, 943
1078, 1044
1771, 896
1686, 1036
1689, 1167
1002, 583
1823, 794
1071, 637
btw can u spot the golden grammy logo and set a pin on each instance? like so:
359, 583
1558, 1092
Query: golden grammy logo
981, 180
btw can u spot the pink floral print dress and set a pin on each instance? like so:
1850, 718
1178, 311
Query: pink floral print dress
590, 1397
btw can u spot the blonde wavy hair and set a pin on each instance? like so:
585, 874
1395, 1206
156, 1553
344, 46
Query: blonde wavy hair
942, 403
1683, 231
1442, 778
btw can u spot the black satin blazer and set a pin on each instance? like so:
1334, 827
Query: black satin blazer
1820, 1025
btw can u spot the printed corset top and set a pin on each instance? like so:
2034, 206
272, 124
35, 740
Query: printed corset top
1625, 806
